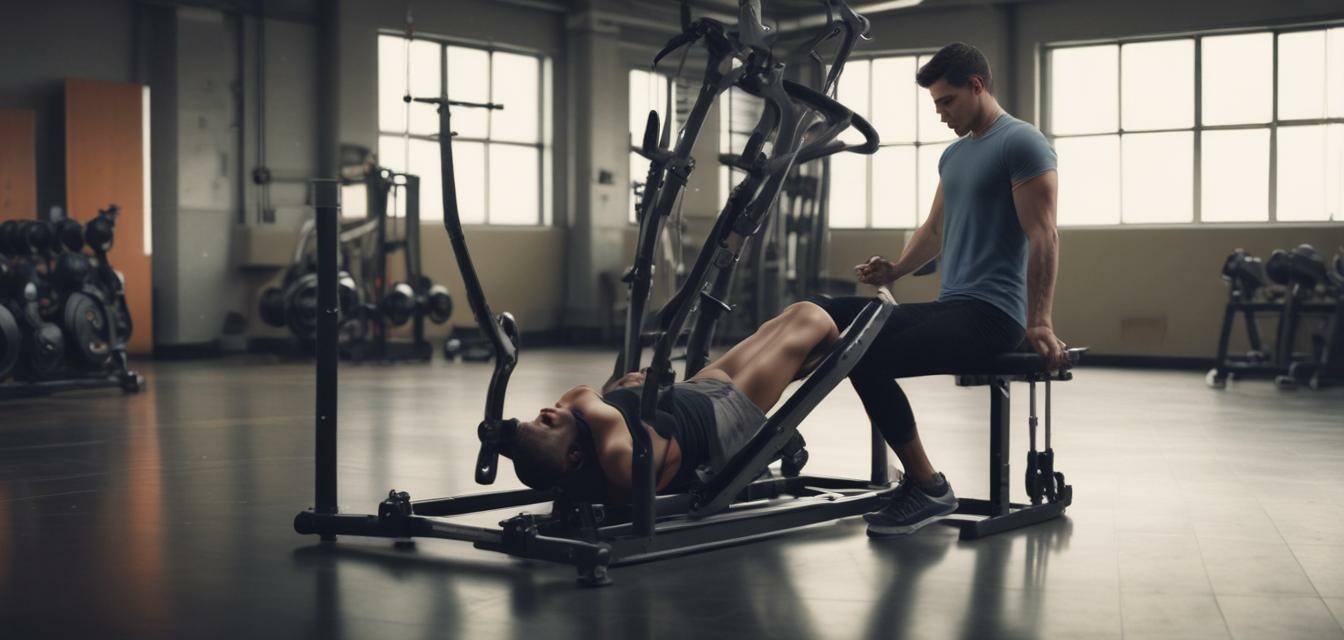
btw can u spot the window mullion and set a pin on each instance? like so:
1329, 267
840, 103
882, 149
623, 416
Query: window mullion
1274, 135
1198, 188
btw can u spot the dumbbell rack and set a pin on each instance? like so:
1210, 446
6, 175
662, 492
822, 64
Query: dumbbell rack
381, 346
67, 373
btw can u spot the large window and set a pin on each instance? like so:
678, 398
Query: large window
739, 112
648, 92
501, 159
1240, 127
893, 188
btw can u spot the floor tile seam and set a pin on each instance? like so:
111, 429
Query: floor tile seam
1339, 619
1303, 568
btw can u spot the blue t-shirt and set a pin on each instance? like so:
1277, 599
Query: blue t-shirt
984, 248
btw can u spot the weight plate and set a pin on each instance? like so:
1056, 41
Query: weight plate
301, 307
86, 325
11, 342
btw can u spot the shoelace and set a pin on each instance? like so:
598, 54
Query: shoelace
907, 500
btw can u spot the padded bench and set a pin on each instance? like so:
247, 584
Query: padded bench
1049, 494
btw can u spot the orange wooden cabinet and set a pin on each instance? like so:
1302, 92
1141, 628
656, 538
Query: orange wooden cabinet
105, 164
18, 165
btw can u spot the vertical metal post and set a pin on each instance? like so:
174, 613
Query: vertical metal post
327, 202
999, 415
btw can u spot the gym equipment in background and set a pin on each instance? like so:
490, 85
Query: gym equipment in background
1294, 288
370, 306
64, 321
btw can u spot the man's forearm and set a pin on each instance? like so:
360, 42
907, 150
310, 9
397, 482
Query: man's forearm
925, 244
1042, 267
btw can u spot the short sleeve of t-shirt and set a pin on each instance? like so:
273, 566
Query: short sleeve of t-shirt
1028, 154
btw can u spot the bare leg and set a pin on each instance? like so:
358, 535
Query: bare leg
763, 365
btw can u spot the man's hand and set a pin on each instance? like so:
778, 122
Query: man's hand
632, 379
1044, 341
877, 271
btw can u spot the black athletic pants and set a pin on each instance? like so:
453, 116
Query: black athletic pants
921, 339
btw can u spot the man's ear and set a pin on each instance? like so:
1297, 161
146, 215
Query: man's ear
575, 456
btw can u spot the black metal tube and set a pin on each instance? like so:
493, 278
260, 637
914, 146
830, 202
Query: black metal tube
327, 203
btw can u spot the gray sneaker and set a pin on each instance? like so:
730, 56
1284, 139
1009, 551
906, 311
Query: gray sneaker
910, 509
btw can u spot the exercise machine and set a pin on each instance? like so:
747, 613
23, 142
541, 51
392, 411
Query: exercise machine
734, 505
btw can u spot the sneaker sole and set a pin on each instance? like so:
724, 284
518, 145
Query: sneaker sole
883, 531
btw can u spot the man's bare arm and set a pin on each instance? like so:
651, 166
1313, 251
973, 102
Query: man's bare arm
926, 242
1034, 200
925, 245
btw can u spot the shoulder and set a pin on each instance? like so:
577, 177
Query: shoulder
1019, 133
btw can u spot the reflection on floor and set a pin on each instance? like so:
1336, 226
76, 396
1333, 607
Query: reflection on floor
168, 514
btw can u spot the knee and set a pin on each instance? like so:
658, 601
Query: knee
813, 317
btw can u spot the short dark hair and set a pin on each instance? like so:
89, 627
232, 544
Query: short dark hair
535, 465
956, 63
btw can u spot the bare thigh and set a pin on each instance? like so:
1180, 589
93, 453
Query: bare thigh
764, 364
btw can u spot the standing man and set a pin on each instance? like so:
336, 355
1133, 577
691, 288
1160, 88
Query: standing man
993, 224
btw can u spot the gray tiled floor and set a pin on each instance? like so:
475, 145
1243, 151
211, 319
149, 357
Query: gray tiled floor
1198, 514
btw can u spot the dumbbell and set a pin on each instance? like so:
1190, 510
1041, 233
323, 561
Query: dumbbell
70, 234
71, 271
10, 244
98, 233
37, 236
439, 304
398, 304
298, 303
1279, 267
1308, 267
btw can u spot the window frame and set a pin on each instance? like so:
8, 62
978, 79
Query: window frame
637, 138
1043, 109
914, 145
543, 145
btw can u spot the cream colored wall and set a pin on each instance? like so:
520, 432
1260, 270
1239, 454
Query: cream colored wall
1146, 291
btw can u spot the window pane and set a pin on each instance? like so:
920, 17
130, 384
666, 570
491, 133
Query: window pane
1083, 89
1334, 172
469, 80
928, 177
469, 179
392, 156
1089, 180
1158, 177
425, 83
848, 203
1302, 75
514, 188
895, 97
424, 162
853, 92
1237, 79
1234, 176
894, 197
639, 173
931, 127
1158, 85
648, 92
1334, 72
517, 80
391, 83
1304, 156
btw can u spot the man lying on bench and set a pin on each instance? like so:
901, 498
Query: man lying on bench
583, 445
